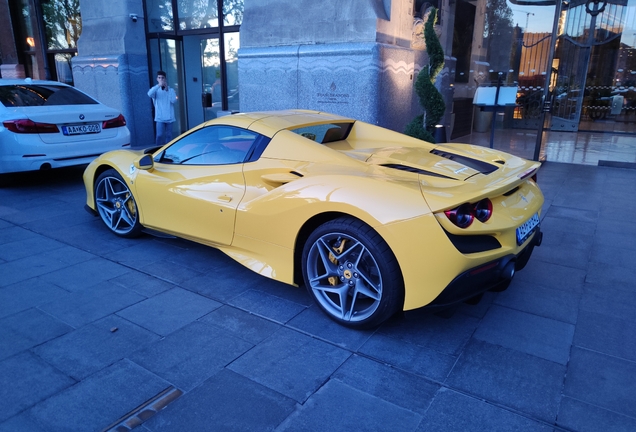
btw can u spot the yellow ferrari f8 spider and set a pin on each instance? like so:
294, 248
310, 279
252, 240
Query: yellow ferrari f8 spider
371, 221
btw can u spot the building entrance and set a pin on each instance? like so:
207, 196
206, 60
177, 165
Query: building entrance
573, 65
197, 41
211, 85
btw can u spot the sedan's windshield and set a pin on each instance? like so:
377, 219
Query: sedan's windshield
22, 95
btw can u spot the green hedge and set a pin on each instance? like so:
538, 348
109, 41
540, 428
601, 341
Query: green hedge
430, 98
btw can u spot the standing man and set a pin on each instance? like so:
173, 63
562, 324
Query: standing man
163, 97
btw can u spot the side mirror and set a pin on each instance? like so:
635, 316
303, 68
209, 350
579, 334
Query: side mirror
145, 162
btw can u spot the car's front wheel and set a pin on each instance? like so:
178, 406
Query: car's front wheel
116, 205
352, 274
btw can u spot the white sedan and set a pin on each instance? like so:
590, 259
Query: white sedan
48, 124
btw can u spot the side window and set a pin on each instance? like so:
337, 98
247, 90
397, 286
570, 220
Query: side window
212, 145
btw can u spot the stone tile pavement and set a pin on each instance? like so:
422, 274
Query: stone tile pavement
98, 332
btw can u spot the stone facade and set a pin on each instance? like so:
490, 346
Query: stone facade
354, 58
112, 62
350, 58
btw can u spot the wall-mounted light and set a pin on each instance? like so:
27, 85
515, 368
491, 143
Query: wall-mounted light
133, 17
31, 42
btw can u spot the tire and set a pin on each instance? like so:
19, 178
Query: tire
352, 274
116, 205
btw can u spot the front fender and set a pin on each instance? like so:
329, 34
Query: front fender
117, 160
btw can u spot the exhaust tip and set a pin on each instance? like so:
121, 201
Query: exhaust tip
508, 271
505, 277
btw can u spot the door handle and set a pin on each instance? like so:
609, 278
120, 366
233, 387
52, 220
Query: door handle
226, 198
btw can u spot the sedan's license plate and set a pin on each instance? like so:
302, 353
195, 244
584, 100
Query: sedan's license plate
82, 129
524, 231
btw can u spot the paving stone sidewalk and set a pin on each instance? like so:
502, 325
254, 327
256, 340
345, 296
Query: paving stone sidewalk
98, 332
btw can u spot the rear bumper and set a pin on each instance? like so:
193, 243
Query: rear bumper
489, 276
26, 152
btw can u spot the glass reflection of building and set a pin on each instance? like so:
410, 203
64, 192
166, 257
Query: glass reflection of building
575, 59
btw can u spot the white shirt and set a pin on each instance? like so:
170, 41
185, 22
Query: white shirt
164, 103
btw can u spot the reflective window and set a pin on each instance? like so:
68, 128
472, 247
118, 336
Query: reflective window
63, 67
232, 43
197, 14
212, 145
27, 26
503, 43
594, 87
211, 74
233, 12
159, 16
167, 55
46, 48
63, 23
193, 14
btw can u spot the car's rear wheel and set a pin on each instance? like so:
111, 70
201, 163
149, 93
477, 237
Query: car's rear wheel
352, 274
116, 205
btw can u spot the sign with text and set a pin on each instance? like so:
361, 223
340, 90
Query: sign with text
485, 96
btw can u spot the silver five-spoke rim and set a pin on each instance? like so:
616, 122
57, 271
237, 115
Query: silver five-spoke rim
116, 205
344, 277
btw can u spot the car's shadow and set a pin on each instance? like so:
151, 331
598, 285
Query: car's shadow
68, 176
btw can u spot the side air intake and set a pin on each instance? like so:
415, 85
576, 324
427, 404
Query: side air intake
477, 165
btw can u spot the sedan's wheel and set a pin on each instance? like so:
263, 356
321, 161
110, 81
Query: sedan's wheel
352, 274
116, 204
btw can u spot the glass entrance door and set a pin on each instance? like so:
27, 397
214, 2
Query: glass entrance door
211, 78
203, 78
166, 54
220, 85
595, 58
211, 88
199, 41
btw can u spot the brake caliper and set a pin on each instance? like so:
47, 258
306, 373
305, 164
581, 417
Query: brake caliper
333, 280
131, 205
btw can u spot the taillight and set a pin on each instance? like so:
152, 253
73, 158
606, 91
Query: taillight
464, 215
29, 126
119, 121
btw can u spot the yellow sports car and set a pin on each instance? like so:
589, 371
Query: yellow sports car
370, 220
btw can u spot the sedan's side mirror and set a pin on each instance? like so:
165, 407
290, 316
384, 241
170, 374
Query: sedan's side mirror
145, 162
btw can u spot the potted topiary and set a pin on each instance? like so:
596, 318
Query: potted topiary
430, 98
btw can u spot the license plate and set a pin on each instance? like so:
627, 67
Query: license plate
528, 227
82, 129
